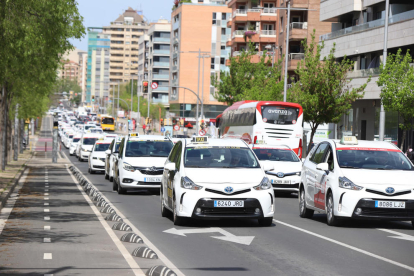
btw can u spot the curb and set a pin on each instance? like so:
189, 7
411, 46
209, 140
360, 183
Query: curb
6, 194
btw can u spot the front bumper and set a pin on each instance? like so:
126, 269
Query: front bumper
369, 211
97, 165
139, 180
84, 154
279, 184
207, 209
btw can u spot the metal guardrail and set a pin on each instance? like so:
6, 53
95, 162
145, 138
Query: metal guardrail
297, 56
268, 32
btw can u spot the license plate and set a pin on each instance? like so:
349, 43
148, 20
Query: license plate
280, 181
390, 204
228, 203
152, 179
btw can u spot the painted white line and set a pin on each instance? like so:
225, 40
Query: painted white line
8, 207
46, 194
161, 256
46, 227
47, 256
346, 246
47, 240
47, 218
46, 198
127, 256
48, 275
46, 203
46, 210
399, 235
47, 186
46, 190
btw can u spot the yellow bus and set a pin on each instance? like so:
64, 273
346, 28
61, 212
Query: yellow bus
107, 122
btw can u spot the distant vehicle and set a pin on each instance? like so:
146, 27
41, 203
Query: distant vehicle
180, 136
107, 123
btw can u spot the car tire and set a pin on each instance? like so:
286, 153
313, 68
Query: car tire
114, 185
106, 176
304, 212
331, 219
265, 222
111, 179
412, 222
179, 221
121, 191
92, 171
164, 211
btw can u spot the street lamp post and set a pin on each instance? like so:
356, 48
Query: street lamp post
127, 105
198, 99
382, 112
273, 47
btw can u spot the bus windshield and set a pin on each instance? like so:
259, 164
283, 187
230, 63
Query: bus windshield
280, 115
108, 121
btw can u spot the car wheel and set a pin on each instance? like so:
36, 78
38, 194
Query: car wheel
164, 211
177, 219
303, 211
111, 179
114, 185
106, 175
266, 222
412, 222
121, 190
92, 171
331, 219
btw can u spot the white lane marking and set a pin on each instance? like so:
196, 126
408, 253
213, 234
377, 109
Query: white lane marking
47, 186
46, 203
47, 240
46, 198
46, 227
161, 256
47, 218
46, 194
46, 210
127, 256
400, 236
46, 190
8, 207
47, 256
48, 275
347, 246
227, 236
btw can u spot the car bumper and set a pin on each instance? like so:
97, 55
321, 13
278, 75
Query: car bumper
97, 165
136, 180
84, 154
348, 202
190, 201
293, 186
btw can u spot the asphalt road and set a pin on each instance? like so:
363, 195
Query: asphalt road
291, 246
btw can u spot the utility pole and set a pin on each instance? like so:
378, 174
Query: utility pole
55, 141
138, 114
16, 134
132, 102
149, 91
198, 88
382, 112
117, 110
286, 51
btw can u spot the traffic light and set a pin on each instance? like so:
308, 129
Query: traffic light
150, 120
147, 120
202, 124
162, 122
145, 86
93, 98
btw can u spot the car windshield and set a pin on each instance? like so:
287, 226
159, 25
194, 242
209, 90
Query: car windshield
282, 154
148, 148
117, 146
76, 140
101, 147
96, 131
89, 126
70, 136
220, 157
373, 159
89, 141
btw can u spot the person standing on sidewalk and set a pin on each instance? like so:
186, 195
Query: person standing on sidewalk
143, 128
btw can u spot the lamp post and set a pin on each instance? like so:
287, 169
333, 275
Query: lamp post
127, 105
382, 112
272, 47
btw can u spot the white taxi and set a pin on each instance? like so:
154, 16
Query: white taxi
111, 156
287, 167
140, 162
96, 160
74, 143
85, 145
357, 179
217, 178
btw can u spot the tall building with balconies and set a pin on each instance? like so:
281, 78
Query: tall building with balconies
198, 26
124, 33
357, 29
159, 61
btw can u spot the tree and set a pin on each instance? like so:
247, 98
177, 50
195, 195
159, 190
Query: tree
323, 89
397, 88
249, 81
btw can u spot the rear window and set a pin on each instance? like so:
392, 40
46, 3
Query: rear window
108, 121
281, 115
268, 154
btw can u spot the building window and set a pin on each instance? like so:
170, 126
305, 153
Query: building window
222, 61
223, 47
214, 18
223, 16
223, 31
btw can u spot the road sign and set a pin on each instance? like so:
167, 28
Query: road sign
202, 132
163, 129
176, 127
154, 85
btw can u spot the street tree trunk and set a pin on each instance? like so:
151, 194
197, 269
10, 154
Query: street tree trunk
313, 130
403, 139
21, 136
16, 135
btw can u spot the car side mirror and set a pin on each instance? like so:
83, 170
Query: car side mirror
268, 167
170, 166
108, 152
323, 167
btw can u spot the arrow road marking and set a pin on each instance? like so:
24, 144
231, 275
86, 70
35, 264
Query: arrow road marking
227, 236
400, 236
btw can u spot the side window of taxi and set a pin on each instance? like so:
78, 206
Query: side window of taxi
329, 159
111, 146
178, 154
173, 153
121, 148
319, 153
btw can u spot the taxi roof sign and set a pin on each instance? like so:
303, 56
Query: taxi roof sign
349, 140
200, 140
135, 134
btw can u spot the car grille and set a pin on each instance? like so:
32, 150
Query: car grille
385, 194
271, 132
150, 171
149, 183
292, 186
223, 193
227, 211
99, 167
384, 212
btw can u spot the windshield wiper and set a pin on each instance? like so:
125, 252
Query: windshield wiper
350, 167
194, 167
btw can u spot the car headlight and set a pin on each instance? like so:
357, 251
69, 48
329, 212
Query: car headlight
298, 173
128, 167
187, 183
348, 184
94, 158
264, 185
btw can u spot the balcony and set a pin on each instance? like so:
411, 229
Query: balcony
176, 25
240, 15
331, 10
253, 14
161, 89
161, 64
268, 14
174, 68
163, 100
161, 52
300, 4
160, 77
268, 36
228, 25
174, 82
298, 30
161, 40
294, 59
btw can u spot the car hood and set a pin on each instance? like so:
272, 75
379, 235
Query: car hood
145, 161
99, 154
284, 167
88, 147
225, 176
379, 177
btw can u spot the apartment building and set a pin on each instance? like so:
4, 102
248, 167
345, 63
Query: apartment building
97, 84
83, 67
200, 25
124, 34
69, 70
264, 22
143, 65
357, 28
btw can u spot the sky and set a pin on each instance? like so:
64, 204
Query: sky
99, 13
